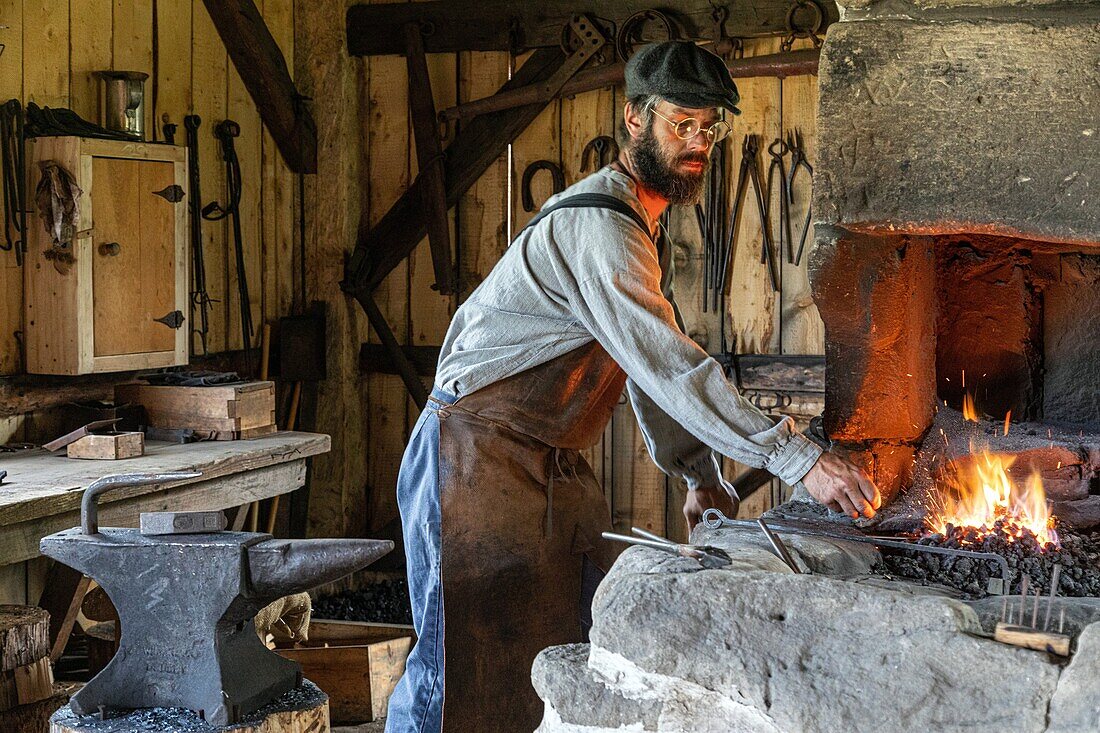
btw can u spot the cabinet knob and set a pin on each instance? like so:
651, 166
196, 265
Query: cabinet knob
110, 249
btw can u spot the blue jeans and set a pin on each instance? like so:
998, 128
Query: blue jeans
417, 701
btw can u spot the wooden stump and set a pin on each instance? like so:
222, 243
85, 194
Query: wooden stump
35, 718
304, 710
25, 673
24, 636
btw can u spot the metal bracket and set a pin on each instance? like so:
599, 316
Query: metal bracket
173, 319
173, 193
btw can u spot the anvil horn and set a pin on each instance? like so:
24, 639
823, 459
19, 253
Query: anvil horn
280, 568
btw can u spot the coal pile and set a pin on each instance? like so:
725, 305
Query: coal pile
1077, 553
385, 602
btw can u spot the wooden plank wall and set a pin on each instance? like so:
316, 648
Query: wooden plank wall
51, 48
487, 216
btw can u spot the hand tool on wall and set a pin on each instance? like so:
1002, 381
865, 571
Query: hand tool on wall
186, 604
226, 131
13, 156
199, 297
750, 150
169, 130
604, 148
799, 161
707, 556
529, 172
777, 171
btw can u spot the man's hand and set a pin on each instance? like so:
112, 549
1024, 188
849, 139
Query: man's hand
707, 497
842, 487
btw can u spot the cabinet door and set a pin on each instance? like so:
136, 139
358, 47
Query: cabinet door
133, 256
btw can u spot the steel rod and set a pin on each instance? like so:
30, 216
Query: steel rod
780, 548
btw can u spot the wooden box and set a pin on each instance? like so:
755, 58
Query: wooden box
357, 664
129, 260
244, 410
109, 447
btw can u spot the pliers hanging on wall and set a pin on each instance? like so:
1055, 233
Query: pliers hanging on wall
777, 150
798, 160
749, 152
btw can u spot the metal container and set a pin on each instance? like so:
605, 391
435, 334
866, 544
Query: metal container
122, 101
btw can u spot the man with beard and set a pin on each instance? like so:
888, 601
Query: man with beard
501, 514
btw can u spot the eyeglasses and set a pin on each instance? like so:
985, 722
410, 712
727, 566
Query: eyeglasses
689, 127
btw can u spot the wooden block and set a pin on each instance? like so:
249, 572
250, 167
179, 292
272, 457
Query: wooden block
24, 636
27, 684
108, 447
357, 664
1029, 638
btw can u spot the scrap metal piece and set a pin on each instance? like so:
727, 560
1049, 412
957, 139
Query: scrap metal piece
153, 523
186, 605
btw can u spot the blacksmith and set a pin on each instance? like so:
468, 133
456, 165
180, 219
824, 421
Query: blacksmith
501, 514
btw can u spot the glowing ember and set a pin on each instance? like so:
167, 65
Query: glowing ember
981, 493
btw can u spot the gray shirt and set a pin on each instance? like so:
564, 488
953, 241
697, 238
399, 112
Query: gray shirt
584, 274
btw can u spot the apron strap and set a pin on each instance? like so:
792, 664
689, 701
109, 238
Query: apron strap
593, 201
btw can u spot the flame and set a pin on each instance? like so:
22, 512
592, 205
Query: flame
970, 412
981, 491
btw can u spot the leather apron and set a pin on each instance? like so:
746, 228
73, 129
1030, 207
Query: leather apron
521, 509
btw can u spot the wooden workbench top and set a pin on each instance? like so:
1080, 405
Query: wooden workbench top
41, 484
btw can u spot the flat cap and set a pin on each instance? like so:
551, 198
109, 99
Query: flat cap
684, 74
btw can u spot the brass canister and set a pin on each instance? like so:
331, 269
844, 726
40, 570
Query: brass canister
122, 101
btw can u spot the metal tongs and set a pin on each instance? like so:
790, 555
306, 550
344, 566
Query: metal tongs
707, 556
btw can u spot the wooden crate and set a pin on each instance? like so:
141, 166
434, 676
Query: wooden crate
246, 409
356, 663
98, 313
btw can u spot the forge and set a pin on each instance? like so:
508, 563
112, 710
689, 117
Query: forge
956, 267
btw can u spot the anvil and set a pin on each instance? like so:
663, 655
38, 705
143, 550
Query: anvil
186, 604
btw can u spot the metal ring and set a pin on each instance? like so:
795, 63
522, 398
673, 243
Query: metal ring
713, 518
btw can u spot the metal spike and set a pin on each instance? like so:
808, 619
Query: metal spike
1055, 577
1062, 618
1025, 584
1035, 607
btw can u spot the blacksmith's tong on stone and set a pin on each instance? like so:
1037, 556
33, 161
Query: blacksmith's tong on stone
529, 173
707, 556
186, 604
714, 518
798, 160
603, 147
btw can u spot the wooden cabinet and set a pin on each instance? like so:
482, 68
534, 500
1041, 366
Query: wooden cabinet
120, 302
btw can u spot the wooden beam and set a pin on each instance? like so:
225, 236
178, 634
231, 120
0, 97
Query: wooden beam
429, 156
381, 248
61, 597
264, 73
377, 359
507, 25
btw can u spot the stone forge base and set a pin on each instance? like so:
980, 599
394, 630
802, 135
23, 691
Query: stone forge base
301, 710
756, 648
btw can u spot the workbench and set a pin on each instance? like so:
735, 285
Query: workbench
41, 494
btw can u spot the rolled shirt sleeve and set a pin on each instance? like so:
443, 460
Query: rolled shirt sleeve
614, 291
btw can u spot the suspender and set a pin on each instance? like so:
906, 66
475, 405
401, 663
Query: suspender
593, 201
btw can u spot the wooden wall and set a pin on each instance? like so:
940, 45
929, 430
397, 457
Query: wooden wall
367, 158
51, 48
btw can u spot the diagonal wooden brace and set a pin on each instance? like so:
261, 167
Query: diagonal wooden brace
429, 155
382, 247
